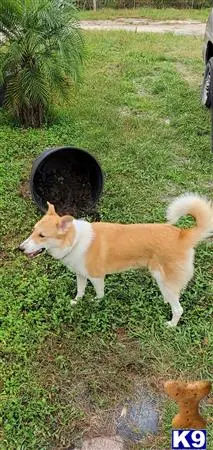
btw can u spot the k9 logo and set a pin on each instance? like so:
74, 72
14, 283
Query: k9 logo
188, 439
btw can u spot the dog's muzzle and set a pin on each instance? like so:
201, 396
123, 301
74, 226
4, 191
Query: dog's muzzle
29, 252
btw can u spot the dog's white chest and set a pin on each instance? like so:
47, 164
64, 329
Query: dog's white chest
75, 262
75, 257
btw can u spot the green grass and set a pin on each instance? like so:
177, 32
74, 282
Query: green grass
146, 13
63, 370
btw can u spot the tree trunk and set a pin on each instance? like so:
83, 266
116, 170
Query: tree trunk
94, 5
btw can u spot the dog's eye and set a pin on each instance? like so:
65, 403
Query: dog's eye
41, 235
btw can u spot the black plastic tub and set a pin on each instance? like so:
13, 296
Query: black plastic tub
68, 177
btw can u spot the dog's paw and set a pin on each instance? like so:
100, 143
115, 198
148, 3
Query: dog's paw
170, 324
76, 299
73, 302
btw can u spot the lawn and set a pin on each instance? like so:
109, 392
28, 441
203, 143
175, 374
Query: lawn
64, 370
146, 13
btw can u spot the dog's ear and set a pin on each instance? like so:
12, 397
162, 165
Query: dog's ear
51, 209
64, 224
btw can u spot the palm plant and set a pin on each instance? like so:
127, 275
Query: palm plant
41, 49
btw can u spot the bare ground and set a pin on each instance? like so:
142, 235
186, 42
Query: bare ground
144, 25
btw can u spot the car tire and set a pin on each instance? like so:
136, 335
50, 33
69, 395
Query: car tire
207, 82
211, 105
2, 95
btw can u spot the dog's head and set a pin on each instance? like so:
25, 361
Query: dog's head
51, 232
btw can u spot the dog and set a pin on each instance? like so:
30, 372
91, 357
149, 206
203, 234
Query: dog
93, 250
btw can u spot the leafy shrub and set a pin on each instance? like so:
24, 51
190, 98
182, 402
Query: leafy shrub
41, 54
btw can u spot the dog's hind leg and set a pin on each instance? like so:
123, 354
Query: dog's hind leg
159, 276
98, 284
171, 280
173, 299
170, 295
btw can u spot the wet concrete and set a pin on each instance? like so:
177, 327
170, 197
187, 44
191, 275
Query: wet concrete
139, 417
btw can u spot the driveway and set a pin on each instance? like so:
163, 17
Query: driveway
189, 27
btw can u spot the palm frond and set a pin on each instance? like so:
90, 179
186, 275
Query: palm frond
43, 52
10, 17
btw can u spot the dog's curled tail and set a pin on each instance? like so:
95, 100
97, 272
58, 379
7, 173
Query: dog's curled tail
198, 207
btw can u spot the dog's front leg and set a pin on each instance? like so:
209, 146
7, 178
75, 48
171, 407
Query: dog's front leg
177, 311
81, 285
98, 284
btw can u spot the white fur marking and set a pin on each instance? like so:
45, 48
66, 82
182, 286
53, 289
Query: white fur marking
181, 206
169, 297
74, 256
29, 246
81, 286
98, 284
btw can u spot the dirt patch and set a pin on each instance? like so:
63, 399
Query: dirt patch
181, 160
125, 111
89, 380
172, 192
3, 256
151, 442
209, 185
24, 190
102, 444
192, 79
131, 112
140, 89
147, 26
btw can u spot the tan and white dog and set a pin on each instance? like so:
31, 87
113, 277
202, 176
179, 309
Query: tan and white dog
93, 250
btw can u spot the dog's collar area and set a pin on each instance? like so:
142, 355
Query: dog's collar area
67, 254
70, 250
